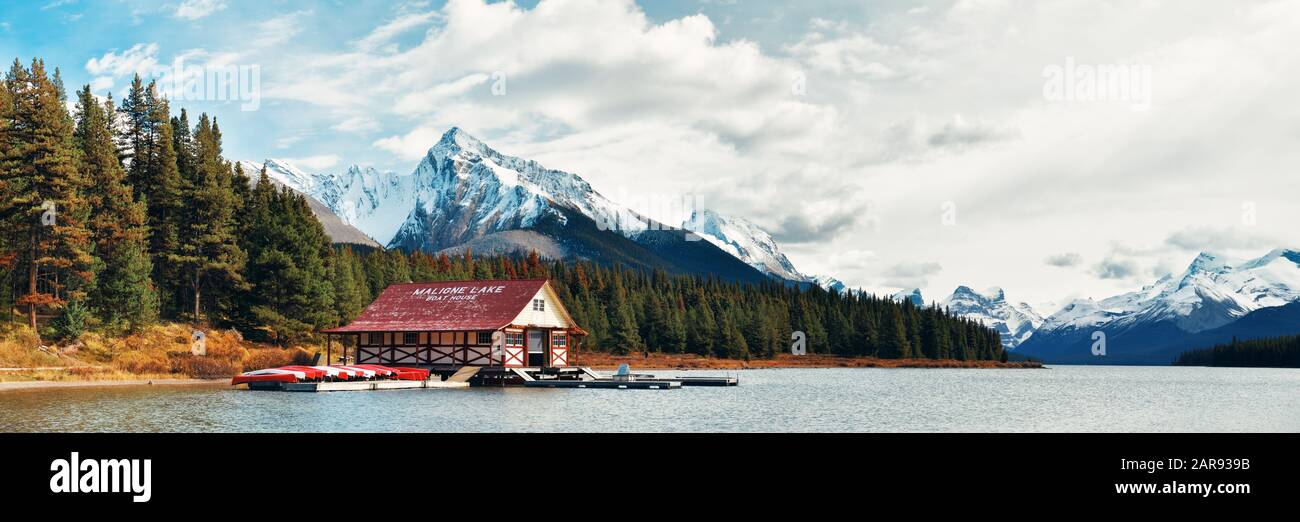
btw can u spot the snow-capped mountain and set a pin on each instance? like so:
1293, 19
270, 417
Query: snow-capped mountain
1153, 324
745, 240
1014, 322
829, 283
913, 295
466, 195
338, 229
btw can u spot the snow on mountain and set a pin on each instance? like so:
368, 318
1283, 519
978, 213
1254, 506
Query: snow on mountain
463, 191
338, 229
458, 174
1212, 292
913, 295
745, 240
828, 283
1014, 322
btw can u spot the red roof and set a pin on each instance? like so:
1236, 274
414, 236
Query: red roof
445, 306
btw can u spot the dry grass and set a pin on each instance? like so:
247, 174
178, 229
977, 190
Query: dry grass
18, 349
81, 373
690, 361
161, 351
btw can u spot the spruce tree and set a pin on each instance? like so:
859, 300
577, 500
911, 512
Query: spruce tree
123, 294
894, 343
209, 256
291, 290
625, 337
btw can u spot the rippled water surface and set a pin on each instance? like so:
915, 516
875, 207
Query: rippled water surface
1064, 398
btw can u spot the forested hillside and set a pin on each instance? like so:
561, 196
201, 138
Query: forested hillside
117, 216
1279, 352
632, 310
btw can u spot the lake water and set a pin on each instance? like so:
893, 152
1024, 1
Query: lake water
1063, 398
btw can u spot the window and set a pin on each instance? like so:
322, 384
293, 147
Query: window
514, 338
559, 340
375, 338
484, 338
539, 305
410, 338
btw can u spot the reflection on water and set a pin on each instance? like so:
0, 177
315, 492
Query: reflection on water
1067, 398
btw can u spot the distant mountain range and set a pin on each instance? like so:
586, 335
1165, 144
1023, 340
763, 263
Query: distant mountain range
1014, 322
1211, 302
1214, 301
464, 195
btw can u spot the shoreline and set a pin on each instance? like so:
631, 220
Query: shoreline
39, 385
602, 361
597, 361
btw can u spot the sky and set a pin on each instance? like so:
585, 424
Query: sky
1059, 149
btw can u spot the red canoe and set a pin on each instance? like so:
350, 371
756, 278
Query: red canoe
268, 375
404, 374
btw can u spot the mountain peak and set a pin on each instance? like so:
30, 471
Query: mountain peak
456, 139
744, 240
913, 295
1014, 323
993, 294
1205, 261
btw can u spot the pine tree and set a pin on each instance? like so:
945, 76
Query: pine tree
9, 245
291, 290
210, 257
124, 294
625, 337
350, 297
700, 328
41, 179
894, 343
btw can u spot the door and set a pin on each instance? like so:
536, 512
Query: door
536, 348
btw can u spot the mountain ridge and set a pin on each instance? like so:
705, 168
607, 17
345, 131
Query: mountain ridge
1152, 324
463, 194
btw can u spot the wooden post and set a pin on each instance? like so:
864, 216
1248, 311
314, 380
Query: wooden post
329, 352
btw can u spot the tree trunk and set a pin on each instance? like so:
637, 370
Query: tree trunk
31, 287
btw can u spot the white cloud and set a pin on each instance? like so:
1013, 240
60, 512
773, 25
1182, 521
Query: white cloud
280, 28
357, 124
319, 162
196, 9
140, 59
101, 83
380, 37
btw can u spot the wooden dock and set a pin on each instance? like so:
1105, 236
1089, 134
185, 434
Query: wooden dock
604, 384
684, 381
530, 377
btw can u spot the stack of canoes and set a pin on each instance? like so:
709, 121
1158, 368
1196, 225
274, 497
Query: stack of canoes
355, 372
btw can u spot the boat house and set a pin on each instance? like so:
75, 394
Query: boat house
517, 323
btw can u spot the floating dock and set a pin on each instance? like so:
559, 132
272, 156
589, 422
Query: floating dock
604, 384
442, 377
